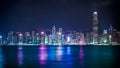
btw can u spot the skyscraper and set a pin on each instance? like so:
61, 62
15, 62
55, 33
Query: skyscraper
54, 39
95, 28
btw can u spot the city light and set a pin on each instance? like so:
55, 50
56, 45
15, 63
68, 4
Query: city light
42, 33
58, 36
0, 36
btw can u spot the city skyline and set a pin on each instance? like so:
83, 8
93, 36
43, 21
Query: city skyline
59, 36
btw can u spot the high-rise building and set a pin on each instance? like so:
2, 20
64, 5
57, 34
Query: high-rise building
42, 38
110, 34
33, 37
54, 37
0, 39
10, 38
20, 39
37, 38
27, 38
95, 28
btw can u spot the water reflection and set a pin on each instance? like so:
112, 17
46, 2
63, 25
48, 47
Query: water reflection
81, 54
68, 50
52, 53
59, 53
20, 55
1, 58
42, 54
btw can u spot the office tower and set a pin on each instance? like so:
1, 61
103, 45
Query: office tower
54, 37
110, 34
63, 40
50, 39
95, 28
82, 39
46, 39
15, 38
68, 39
77, 36
27, 38
104, 38
10, 38
118, 37
89, 38
20, 38
114, 37
33, 37
37, 38
42, 38
59, 36
1, 39
60, 30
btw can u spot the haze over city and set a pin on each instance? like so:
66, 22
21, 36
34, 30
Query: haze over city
28, 15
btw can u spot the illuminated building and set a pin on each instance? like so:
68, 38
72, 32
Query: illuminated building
15, 38
82, 39
46, 39
10, 38
42, 38
33, 37
54, 37
104, 38
37, 38
95, 28
27, 38
63, 40
50, 39
59, 36
68, 39
118, 37
0, 39
114, 37
89, 38
110, 34
20, 39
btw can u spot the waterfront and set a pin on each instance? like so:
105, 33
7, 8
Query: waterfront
64, 56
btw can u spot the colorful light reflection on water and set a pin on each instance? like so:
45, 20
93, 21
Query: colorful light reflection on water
68, 50
59, 53
42, 54
81, 54
1, 58
20, 55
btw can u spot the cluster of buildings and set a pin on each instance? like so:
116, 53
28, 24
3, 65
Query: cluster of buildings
109, 36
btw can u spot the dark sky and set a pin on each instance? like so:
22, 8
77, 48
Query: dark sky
28, 15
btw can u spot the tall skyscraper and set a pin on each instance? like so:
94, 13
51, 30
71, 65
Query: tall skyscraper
54, 39
95, 28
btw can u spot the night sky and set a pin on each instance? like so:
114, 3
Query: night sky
28, 15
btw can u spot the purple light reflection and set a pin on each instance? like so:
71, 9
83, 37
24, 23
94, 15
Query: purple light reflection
43, 55
20, 55
81, 56
59, 53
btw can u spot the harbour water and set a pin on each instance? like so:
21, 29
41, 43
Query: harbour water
62, 56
